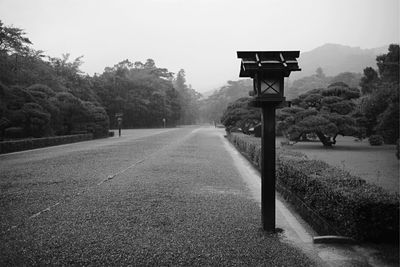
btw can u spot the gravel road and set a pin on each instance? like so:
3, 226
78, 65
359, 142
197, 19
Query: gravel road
150, 198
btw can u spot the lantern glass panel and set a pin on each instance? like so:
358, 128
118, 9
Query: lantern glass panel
271, 86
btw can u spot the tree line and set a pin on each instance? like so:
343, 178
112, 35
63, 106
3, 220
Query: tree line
213, 107
44, 96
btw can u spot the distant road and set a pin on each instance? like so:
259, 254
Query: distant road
151, 197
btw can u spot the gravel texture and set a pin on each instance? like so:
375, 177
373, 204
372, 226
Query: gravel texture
176, 200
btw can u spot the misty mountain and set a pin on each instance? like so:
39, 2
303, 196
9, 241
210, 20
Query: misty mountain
338, 63
336, 58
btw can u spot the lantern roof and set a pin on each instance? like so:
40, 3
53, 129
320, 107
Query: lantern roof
279, 62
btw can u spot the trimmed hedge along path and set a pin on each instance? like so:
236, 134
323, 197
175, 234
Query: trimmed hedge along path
26, 144
331, 200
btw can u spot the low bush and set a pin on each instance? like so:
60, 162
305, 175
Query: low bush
25, 144
14, 132
346, 204
375, 140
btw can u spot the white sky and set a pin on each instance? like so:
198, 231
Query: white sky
200, 36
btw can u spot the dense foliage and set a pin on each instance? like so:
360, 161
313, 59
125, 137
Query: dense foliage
239, 115
38, 111
326, 113
344, 203
45, 96
380, 101
42, 97
141, 92
375, 140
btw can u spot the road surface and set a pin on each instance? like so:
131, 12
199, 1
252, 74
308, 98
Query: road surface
151, 197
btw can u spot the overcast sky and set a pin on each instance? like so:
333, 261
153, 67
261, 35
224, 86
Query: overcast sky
200, 36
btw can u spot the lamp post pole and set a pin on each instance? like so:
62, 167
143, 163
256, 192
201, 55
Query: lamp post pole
268, 167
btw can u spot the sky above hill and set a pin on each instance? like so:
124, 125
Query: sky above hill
200, 36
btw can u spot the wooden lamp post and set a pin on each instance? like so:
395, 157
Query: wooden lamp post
268, 69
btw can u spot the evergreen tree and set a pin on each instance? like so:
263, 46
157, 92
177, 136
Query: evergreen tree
380, 104
326, 113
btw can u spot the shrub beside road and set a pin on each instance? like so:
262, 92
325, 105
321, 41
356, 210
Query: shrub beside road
26, 144
352, 206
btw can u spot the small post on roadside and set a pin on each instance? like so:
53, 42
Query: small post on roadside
119, 126
164, 121
268, 69
119, 122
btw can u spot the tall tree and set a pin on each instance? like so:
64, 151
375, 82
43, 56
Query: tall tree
12, 40
380, 105
369, 81
189, 99
388, 65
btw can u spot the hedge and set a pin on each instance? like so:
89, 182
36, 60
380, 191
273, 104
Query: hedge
331, 200
376, 140
25, 144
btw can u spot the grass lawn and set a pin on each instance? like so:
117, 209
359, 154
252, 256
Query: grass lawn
375, 164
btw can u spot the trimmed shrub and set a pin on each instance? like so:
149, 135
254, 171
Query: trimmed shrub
331, 200
14, 132
350, 205
98, 121
25, 144
37, 121
375, 140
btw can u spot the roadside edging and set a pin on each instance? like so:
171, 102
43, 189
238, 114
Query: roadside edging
27, 144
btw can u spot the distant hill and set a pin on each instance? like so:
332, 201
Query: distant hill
336, 58
338, 63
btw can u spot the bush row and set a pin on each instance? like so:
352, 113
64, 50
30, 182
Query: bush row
19, 145
376, 140
329, 199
